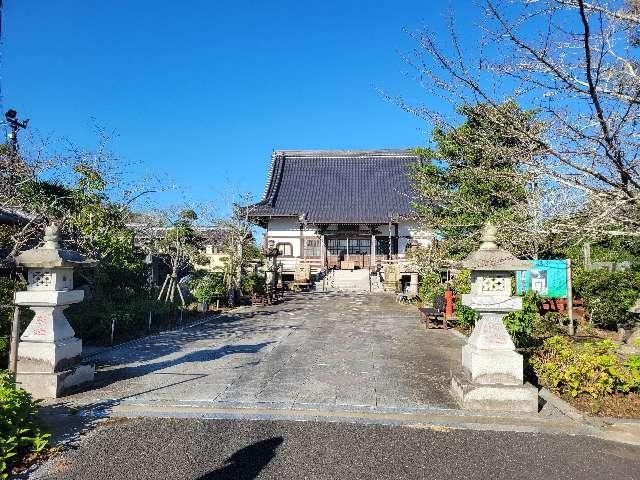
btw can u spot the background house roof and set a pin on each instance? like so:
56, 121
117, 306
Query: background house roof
13, 217
338, 186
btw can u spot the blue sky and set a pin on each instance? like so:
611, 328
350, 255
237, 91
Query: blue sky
204, 90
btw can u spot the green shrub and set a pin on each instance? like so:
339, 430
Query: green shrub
608, 295
591, 368
549, 324
461, 284
92, 320
254, 283
19, 433
430, 287
209, 288
466, 317
520, 323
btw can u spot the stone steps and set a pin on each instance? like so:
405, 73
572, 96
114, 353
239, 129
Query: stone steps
349, 281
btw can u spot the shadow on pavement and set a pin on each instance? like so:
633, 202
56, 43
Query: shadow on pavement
220, 329
247, 462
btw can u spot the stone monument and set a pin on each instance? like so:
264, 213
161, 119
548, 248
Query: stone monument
491, 377
271, 264
48, 352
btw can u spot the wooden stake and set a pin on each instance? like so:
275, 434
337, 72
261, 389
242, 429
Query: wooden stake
166, 279
184, 304
173, 288
15, 334
113, 328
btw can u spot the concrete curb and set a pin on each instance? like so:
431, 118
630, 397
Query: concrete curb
569, 410
572, 412
415, 418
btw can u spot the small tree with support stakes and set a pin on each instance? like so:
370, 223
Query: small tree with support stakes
179, 246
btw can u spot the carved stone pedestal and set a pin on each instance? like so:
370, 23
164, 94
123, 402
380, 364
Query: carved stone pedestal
491, 376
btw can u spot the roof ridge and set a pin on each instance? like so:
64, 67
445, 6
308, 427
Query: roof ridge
348, 153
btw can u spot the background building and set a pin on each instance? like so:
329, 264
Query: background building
339, 209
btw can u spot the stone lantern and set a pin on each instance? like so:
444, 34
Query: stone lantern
491, 377
271, 253
414, 284
49, 352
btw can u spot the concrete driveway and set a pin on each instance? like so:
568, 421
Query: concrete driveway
316, 350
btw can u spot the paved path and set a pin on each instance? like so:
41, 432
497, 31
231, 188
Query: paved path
179, 449
319, 350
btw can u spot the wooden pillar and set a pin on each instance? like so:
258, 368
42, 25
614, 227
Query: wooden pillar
323, 251
395, 240
301, 240
373, 251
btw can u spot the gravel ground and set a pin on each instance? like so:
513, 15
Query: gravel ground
218, 449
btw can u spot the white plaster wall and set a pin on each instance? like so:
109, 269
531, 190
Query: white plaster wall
286, 227
294, 241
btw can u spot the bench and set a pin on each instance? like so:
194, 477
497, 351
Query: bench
431, 316
261, 299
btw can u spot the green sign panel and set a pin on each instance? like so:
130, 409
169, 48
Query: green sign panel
547, 277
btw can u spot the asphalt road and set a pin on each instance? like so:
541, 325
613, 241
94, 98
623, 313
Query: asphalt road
152, 448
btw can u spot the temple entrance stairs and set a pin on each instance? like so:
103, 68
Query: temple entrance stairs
350, 281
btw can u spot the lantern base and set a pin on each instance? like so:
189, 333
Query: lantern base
53, 385
49, 356
492, 366
493, 397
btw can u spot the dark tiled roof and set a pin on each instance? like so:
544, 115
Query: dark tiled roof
338, 186
12, 217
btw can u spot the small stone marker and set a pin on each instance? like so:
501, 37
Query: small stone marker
49, 352
491, 377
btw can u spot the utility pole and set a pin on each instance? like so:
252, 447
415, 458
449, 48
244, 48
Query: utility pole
15, 124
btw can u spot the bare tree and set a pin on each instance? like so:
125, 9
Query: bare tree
574, 63
89, 193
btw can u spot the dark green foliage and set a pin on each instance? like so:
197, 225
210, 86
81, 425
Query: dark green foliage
431, 286
19, 433
92, 320
254, 283
608, 295
466, 316
520, 323
463, 185
612, 249
209, 288
8, 287
461, 284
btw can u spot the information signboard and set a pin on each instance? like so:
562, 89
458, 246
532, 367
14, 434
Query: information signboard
546, 277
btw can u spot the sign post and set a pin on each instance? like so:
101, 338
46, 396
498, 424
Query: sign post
572, 329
